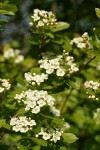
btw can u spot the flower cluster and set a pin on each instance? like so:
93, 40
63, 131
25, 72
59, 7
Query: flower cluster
94, 87
22, 123
34, 100
50, 134
42, 18
58, 64
97, 116
35, 79
81, 42
4, 85
69, 61
13, 54
50, 65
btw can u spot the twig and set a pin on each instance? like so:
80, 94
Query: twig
86, 64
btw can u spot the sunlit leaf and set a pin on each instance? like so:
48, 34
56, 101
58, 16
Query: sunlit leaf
59, 26
97, 10
69, 137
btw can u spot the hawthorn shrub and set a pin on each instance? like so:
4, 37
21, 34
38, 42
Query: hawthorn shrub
51, 99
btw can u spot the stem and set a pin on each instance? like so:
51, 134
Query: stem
65, 101
86, 64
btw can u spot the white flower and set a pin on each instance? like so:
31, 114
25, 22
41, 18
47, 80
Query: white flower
9, 53
60, 72
81, 42
33, 78
31, 23
46, 136
33, 100
36, 110
28, 76
40, 23
92, 85
42, 18
22, 124
15, 54
5, 85
1, 89
19, 59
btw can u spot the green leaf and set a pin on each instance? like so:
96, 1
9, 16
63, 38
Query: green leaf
40, 142
69, 137
3, 21
58, 122
59, 26
8, 7
3, 124
37, 147
63, 148
50, 35
36, 70
97, 42
97, 10
21, 111
5, 12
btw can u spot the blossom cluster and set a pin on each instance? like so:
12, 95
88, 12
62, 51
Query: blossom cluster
13, 54
42, 18
51, 65
4, 85
58, 64
94, 87
69, 61
34, 78
34, 100
50, 134
22, 124
81, 42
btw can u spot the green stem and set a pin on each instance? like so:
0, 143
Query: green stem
65, 101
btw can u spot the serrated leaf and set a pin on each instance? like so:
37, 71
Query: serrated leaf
59, 26
3, 124
40, 142
69, 137
97, 10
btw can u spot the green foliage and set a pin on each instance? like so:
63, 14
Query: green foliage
69, 137
97, 10
56, 112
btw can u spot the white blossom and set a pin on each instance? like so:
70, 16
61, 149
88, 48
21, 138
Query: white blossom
50, 134
35, 78
4, 85
92, 85
81, 42
22, 124
42, 18
33, 100
13, 54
